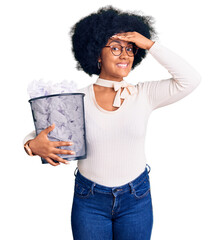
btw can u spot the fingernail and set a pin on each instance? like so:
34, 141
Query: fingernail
72, 153
67, 162
71, 143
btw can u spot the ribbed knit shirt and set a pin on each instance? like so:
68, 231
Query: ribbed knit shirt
116, 139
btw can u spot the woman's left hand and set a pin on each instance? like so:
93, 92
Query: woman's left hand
135, 37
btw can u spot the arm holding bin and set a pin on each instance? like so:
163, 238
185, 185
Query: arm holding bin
41, 146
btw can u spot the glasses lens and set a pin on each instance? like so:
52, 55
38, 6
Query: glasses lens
116, 49
135, 50
130, 49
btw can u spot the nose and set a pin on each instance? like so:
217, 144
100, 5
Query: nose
124, 54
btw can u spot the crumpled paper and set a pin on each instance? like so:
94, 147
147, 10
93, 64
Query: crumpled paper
38, 88
66, 111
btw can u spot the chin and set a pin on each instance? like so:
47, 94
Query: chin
123, 74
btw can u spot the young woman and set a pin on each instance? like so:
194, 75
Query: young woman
112, 197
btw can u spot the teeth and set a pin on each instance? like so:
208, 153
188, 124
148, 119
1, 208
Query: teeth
122, 65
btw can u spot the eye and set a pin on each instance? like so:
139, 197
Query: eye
115, 48
129, 48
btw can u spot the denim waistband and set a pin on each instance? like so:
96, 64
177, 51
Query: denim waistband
105, 189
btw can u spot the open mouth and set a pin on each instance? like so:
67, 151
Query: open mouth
122, 65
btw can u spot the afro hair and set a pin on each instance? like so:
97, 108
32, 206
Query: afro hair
91, 34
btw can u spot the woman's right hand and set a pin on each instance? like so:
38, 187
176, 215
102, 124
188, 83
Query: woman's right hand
47, 149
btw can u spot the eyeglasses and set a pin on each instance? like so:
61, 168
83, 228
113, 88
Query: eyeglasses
117, 49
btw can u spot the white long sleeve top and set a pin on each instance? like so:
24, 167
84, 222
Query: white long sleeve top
116, 139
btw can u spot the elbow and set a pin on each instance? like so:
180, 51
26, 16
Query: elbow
196, 80
189, 84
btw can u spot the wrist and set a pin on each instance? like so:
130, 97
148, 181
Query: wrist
150, 44
28, 149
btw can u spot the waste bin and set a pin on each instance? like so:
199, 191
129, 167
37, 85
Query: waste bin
66, 110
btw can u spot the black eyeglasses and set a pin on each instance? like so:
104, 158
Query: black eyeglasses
117, 49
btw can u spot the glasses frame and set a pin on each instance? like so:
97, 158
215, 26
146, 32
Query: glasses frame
122, 47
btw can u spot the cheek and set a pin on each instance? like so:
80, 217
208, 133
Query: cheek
108, 61
108, 64
131, 64
107, 56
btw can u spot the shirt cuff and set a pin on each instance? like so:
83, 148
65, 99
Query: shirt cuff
30, 136
154, 47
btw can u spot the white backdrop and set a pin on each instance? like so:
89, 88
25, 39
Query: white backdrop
184, 140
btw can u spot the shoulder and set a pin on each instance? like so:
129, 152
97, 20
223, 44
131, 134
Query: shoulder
83, 89
142, 86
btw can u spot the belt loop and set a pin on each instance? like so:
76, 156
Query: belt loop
131, 186
75, 173
149, 168
93, 185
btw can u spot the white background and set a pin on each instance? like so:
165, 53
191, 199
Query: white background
184, 144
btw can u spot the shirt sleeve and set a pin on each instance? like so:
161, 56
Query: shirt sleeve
30, 136
183, 81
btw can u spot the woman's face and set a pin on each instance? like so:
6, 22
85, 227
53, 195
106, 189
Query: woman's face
115, 67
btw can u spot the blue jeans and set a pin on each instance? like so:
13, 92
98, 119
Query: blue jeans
112, 213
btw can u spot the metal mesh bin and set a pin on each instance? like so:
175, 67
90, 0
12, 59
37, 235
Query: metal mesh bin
66, 110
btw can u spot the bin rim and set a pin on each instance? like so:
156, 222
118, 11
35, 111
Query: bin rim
55, 95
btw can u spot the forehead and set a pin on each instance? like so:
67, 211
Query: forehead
116, 40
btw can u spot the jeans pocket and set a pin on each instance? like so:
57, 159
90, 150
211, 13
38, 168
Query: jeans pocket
142, 189
82, 190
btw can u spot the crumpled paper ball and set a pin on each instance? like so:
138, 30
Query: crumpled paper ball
38, 88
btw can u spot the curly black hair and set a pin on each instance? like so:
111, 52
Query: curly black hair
91, 34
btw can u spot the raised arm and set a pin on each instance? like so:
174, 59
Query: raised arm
184, 77
183, 81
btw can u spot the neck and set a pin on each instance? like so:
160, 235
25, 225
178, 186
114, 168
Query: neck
111, 78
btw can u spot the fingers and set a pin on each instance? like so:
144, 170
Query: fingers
56, 158
55, 151
61, 151
57, 144
48, 149
61, 143
124, 35
53, 156
51, 162
49, 129
135, 37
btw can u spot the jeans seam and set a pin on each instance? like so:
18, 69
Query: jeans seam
142, 196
